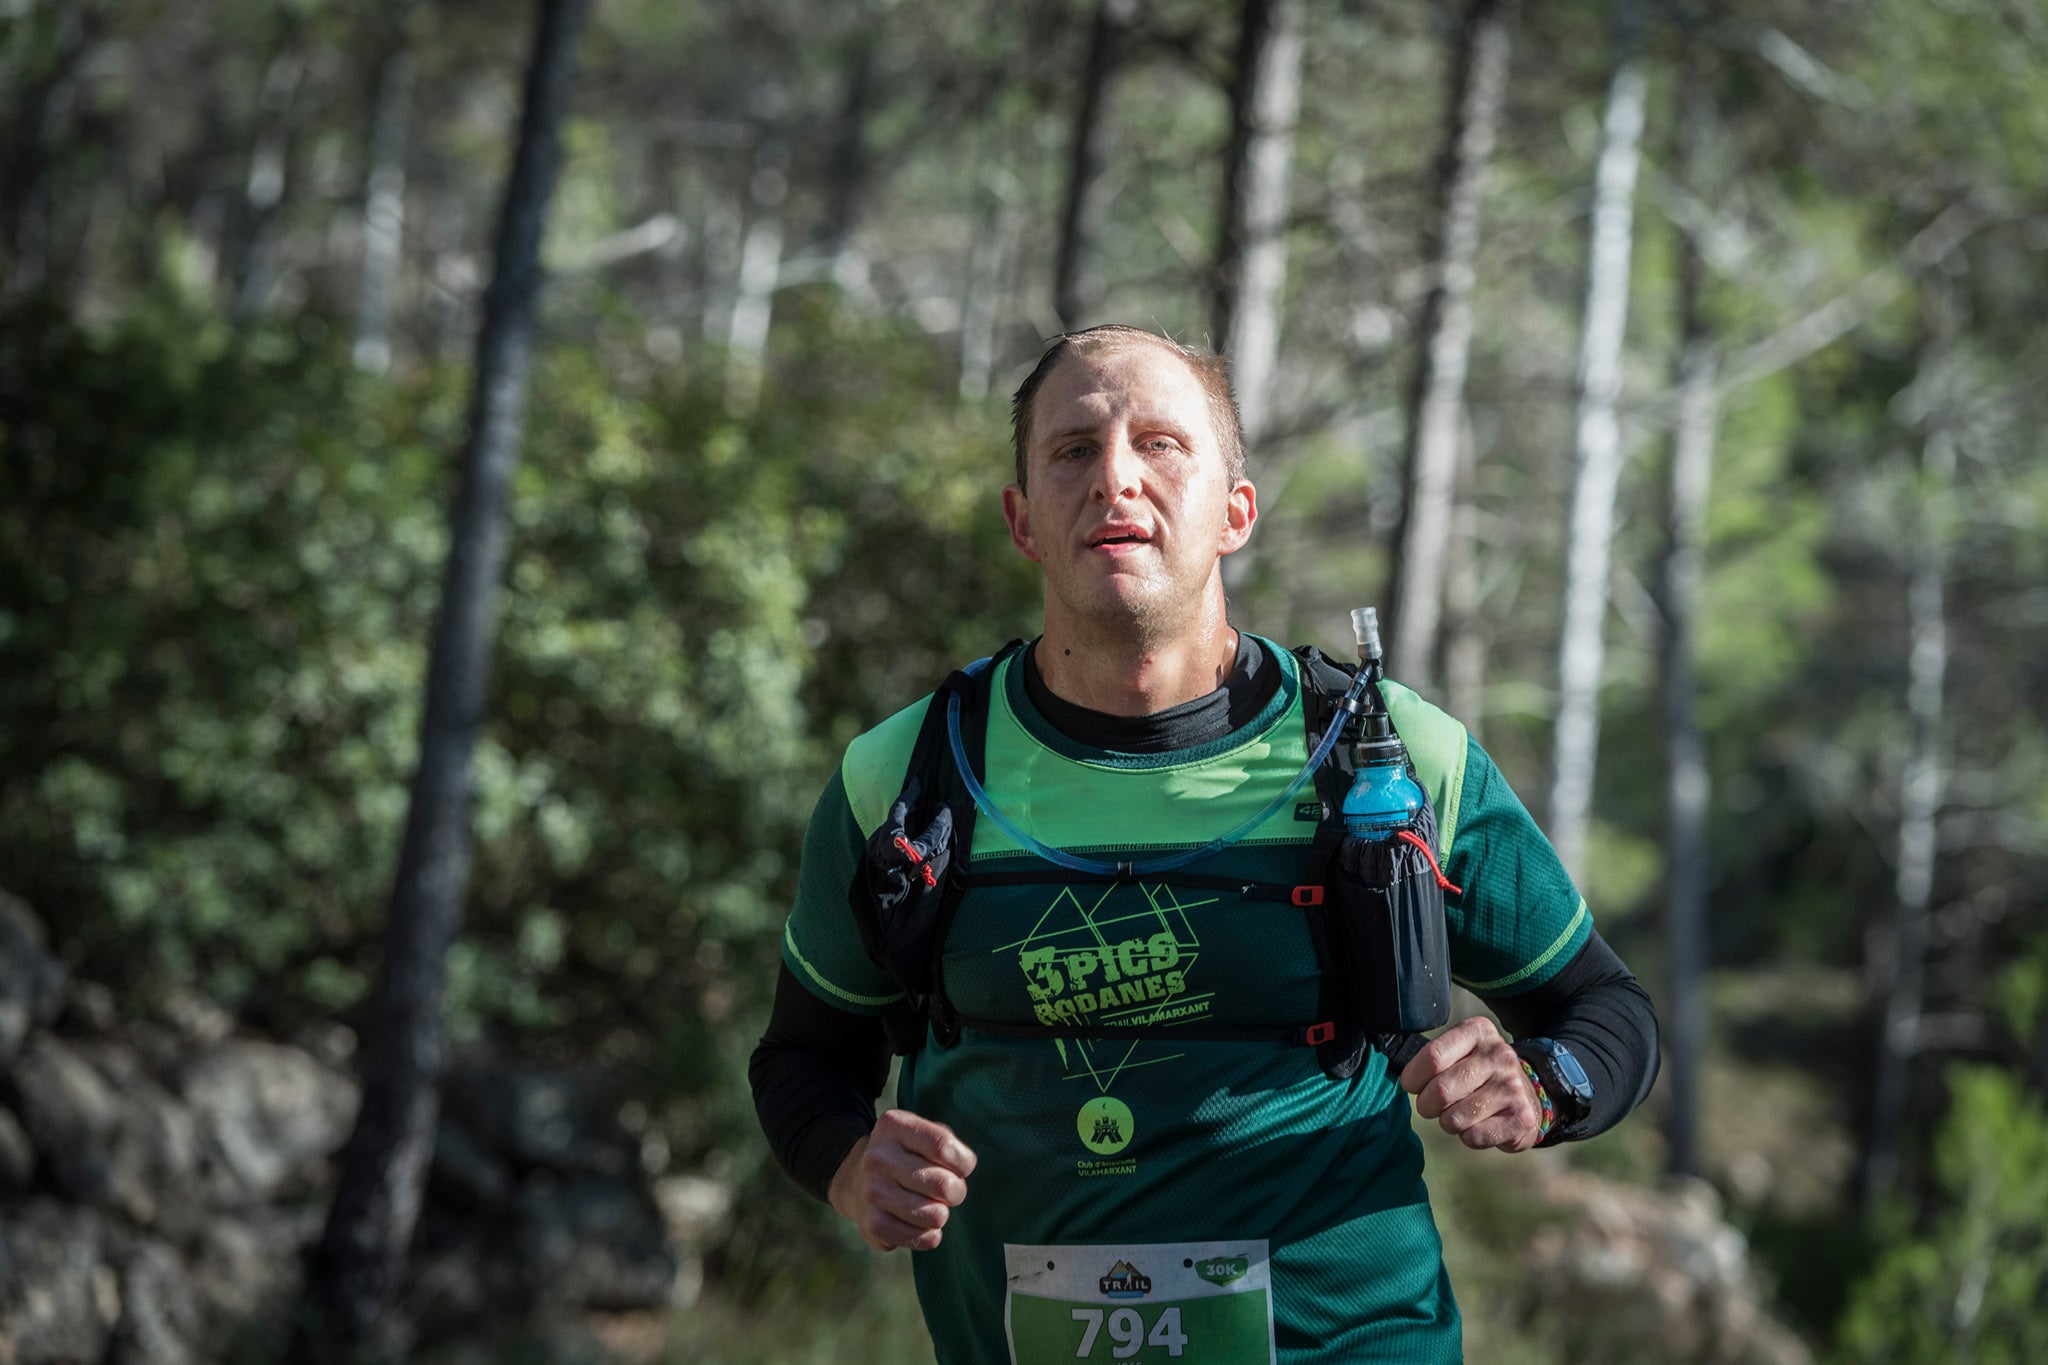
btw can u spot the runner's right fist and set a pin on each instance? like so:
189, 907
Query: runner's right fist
900, 1183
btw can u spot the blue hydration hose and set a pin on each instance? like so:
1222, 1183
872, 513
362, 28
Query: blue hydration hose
1101, 868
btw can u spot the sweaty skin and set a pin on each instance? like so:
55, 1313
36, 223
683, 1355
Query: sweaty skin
1471, 1082
1129, 513
900, 1183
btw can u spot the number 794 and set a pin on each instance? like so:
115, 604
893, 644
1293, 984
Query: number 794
1127, 1331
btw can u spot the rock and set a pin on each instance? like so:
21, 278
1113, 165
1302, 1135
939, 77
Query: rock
272, 1113
32, 983
90, 1011
249, 1269
197, 1019
17, 1156
592, 1242
564, 1121
163, 1321
464, 1174
70, 1112
57, 1301
558, 1248
1652, 1274
108, 1135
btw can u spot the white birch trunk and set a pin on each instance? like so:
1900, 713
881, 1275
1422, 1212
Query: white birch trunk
753, 305
384, 206
263, 190
981, 296
1437, 402
1597, 466
1464, 633
1251, 258
722, 231
1921, 789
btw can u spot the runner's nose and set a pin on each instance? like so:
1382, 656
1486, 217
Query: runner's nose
1119, 470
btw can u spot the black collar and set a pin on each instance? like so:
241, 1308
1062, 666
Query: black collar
1252, 681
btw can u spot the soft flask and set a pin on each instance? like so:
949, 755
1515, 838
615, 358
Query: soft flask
1387, 886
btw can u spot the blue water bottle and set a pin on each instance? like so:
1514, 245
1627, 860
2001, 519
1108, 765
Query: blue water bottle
1383, 798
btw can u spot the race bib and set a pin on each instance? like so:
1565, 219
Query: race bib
1202, 1302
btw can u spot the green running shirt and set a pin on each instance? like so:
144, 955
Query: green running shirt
1221, 1202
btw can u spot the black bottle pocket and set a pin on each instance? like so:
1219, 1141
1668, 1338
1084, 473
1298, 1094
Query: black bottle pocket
1389, 947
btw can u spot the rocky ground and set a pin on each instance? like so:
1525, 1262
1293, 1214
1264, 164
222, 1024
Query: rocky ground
159, 1185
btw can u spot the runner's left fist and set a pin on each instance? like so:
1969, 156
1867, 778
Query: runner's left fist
1471, 1082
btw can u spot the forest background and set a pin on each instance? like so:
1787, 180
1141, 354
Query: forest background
1671, 373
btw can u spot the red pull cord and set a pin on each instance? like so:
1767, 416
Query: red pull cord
1411, 837
909, 850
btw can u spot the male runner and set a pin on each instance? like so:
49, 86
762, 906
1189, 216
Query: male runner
1220, 1199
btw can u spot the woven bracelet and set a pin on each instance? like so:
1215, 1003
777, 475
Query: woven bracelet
1543, 1098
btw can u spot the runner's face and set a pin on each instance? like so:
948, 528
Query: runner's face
1130, 506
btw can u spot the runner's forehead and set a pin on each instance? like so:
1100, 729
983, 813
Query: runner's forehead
1133, 381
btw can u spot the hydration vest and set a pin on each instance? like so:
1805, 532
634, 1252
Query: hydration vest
1374, 914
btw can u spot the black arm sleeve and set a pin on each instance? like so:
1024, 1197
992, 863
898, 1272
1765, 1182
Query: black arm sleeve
1595, 1008
816, 1074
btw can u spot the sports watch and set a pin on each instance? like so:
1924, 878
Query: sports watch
1561, 1076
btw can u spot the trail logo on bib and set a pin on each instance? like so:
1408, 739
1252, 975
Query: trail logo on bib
1125, 1281
1105, 1125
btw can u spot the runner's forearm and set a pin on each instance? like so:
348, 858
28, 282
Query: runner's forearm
1595, 1008
816, 1074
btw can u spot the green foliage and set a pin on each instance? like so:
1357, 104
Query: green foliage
217, 568
222, 554
1969, 1287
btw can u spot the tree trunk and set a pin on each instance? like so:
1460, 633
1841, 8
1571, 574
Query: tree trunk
722, 234
251, 270
1685, 763
1464, 631
361, 1253
1436, 399
1076, 292
384, 199
1921, 784
760, 274
981, 298
851, 167
1597, 464
1251, 247
39, 121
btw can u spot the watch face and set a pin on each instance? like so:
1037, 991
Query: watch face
1571, 1073
1571, 1088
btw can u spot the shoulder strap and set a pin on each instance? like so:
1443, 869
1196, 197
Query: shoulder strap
940, 784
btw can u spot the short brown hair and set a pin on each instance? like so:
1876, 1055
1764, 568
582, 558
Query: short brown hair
1211, 371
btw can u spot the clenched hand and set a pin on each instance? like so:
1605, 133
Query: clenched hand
900, 1183
1471, 1082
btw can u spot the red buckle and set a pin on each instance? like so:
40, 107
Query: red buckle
1308, 895
1318, 1034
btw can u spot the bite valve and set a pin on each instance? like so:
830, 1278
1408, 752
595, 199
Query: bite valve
1365, 624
